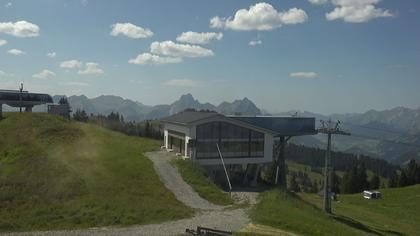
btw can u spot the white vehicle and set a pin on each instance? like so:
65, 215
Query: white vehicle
372, 194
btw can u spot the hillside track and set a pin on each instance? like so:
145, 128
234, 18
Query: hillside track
207, 214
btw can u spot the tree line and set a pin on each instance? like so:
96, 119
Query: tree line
406, 176
115, 121
354, 179
340, 161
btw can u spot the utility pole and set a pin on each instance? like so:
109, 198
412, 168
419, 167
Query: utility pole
20, 97
329, 128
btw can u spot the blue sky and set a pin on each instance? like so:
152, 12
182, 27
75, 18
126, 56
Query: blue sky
327, 56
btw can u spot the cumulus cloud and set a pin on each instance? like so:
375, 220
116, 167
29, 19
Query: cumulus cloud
356, 11
21, 29
307, 75
51, 54
318, 2
261, 16
71, 64
91, 68
130, 30
182, 83
2, 42
78, 84
16, 52
5, 74
198, 38
254, 42
150, 59
44, 74
171, 49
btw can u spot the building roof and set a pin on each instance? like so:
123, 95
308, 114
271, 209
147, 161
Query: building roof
282, 126
279, 126
16, 98
187, 117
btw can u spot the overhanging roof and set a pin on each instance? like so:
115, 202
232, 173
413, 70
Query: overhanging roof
188, 117
16, 98
278, 126
282, 126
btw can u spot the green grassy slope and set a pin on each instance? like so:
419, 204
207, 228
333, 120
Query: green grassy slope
58, 174
395, 214
196, 178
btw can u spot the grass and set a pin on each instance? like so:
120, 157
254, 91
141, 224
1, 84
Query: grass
196, 178
59, 174
395, 214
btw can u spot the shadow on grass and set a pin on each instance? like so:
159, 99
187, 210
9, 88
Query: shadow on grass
348, 221
354, 224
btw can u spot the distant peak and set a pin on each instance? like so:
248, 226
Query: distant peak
187, 97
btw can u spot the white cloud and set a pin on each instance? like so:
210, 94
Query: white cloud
171, 49
182, 83
308, 75
2, 42
78, 84
91, 68
150, 59
255, 42
261, 16
16, 52
44, 74
318, 2
130, 30
71, 64
7, 5
198, 38
51, 54
356, 11
5, 74
21, 29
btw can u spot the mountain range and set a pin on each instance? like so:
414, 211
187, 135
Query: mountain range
392, 134
136, 111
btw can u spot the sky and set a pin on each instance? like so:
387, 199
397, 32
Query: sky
326, 56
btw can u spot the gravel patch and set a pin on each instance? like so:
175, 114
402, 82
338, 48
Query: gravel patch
170, 176
230, 220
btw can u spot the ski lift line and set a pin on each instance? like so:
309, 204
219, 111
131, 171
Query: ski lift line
385, 140
224, 167
379, 129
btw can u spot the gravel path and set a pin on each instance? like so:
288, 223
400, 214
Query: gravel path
170, 176
208, 214
232, 220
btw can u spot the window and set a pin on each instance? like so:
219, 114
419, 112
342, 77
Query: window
234, 141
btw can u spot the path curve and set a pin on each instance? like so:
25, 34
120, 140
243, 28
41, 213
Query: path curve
172, 179
208, 215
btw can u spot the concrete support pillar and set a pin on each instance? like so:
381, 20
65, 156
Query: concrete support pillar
245, 180
281, 165
166, 139
257, 174
187, 154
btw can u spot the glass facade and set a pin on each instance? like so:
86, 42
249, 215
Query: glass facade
234, 141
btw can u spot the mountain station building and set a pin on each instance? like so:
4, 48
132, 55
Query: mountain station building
242, 140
